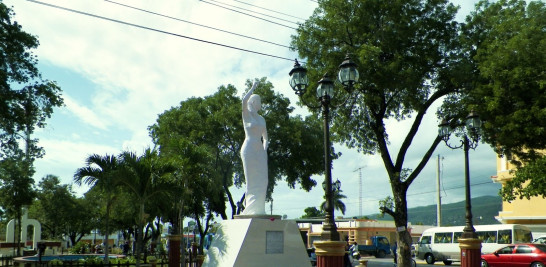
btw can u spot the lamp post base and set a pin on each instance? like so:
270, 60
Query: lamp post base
174, 250
330, 253
470, 252
363, 262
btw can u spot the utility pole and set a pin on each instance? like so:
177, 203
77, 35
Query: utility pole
439, 198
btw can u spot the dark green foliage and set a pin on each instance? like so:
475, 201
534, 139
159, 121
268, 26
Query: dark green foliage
312, 212
337, 197
27, 99
529, 181
507, 42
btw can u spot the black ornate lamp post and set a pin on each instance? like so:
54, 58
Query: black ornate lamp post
469, 243
348, 76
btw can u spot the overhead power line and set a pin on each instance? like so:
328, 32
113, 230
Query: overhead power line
433, 191
157, 30
413, 194
271, 10
237, 11
197, 24
222, 3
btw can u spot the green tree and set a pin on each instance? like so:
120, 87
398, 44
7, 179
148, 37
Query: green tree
102, 172
27, 101
338, 202
529, 181
60, 212
16, 190
195, 193
83, 215
53, 207
312, 212
408, 56
143, 177
506, 42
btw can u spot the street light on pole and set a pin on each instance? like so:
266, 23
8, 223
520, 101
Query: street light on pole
348, 76
469, 243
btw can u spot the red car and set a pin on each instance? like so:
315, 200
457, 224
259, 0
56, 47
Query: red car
528, 255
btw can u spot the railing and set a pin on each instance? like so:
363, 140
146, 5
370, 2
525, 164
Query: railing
6, 261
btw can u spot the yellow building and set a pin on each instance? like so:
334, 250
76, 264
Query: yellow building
531, 213
355, 230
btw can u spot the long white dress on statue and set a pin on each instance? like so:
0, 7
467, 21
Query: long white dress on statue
254, 157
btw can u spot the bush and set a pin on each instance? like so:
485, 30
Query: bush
92, 261
79, 248
56, 262
126, 260
151, 259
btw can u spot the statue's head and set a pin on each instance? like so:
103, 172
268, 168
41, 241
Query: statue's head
254, 103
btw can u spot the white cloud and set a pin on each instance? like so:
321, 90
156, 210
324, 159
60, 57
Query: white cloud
84, 113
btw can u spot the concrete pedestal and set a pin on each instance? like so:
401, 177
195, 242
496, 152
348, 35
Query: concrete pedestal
330, 253
470, 252
259, 241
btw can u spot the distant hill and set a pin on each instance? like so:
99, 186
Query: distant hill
484, 210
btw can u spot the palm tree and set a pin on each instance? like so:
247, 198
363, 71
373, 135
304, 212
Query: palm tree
143, 177
338, 204
101, 172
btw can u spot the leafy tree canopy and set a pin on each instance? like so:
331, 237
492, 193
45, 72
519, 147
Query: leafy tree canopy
529, 181
312, 212
507, 42
27, 99
337, 198
60, 212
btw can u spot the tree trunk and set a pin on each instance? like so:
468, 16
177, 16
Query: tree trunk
231, 202
106, 259
139, 233
401, 221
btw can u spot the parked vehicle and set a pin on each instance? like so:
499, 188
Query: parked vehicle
442, 243
379, 247
530, 254
540, 240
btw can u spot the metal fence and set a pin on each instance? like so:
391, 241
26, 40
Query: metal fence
8, 261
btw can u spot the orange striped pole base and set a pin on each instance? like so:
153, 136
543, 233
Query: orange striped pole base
471, 253
329, 253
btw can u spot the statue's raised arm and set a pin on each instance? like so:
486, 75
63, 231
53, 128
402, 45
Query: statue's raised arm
246, 97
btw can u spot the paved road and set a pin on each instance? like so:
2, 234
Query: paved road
388, 262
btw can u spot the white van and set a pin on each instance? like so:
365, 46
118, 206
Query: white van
441, 243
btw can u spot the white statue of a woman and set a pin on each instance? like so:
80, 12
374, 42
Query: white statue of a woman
254, 154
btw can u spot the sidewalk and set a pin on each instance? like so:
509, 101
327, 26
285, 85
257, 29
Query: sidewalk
419, 262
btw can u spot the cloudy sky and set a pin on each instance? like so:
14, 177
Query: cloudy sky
122, 63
